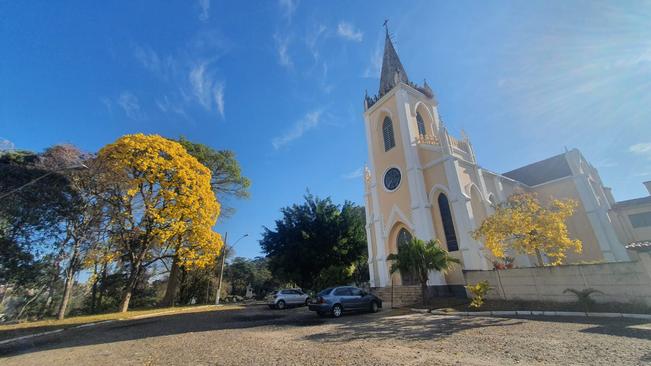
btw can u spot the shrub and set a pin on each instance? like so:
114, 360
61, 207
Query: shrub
478, 292
583, 297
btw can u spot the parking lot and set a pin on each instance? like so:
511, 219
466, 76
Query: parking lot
258, 335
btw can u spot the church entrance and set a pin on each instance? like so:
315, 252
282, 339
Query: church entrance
408, 278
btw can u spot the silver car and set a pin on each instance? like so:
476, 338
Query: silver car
287, 297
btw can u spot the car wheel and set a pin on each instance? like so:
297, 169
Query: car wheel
281, 304
337, 311
374, 307
307, 301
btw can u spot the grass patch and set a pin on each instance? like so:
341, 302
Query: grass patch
24, 328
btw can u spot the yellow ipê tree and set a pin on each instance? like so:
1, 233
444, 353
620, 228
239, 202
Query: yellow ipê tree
160, 203
525, 225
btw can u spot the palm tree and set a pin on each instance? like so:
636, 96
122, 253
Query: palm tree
419, 257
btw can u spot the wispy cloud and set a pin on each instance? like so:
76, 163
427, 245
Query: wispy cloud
313, 38
206, 89
282, 47
288, 7
308, 122
130, 104
643, 149
6, 145
162, 67
357, 173
219, 98
204, 7
347, 31
375, 64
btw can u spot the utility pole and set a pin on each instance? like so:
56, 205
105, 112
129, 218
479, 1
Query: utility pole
221, 271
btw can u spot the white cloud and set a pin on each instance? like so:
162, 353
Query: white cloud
288, 7
312, 39
219, 98
347, 31
308, 122
6, 145
643, 148
129, 103
162, 67
207, 90
375, 64
204, 6
282, 47
357, 173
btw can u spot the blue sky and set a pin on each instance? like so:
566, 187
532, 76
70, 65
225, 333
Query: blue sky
281, 83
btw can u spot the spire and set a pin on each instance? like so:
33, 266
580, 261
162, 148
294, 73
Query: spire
391, 66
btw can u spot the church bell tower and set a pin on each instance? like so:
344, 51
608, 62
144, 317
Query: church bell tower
404, 134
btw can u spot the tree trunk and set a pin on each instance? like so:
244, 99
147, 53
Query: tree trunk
102, 285
172, 285
93, 293
423, 290
70, 280
539, 257
128, 289
22, 310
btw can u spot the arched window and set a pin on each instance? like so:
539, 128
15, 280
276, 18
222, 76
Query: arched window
448, 224
421, 124
404, 237
387, 133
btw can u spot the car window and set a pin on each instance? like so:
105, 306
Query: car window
342, 292
294, 292
356, 292
325, 292
285, 292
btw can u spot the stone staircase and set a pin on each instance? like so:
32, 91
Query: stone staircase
402, 296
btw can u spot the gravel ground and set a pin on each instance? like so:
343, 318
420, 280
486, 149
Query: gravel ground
259, 336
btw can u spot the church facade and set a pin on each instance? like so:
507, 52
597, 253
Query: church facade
423, 182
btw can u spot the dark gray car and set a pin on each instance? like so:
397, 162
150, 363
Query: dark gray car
337, 300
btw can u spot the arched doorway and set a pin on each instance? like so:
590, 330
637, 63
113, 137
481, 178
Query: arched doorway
403, 238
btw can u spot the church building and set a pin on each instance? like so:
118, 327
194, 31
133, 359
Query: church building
423, 182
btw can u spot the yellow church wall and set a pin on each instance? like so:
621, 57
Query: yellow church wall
578, 224
427, 155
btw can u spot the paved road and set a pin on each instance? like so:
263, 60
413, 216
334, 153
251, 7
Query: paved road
257, 335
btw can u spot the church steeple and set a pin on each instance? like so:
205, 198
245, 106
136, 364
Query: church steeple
392, 70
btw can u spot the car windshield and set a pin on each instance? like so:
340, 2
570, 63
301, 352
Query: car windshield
326, 291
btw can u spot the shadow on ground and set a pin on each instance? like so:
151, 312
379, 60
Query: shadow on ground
384, 325
405, 327
161, 326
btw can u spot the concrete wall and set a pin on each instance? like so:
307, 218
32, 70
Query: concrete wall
622, 282
402, 296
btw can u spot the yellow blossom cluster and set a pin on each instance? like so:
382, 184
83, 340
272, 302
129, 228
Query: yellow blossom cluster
524, 224
166, 196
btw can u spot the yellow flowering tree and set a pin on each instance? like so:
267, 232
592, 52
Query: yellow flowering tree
525, 225
160, 203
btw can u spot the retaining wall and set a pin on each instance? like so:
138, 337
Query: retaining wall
620, 282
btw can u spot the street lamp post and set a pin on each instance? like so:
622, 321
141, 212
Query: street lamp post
221, 271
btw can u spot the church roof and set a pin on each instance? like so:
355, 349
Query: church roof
541, 171
633, 202
390, 66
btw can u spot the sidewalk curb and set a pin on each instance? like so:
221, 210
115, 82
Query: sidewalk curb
535, 313
88, 325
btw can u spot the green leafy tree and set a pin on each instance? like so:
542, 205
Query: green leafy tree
420, 257
227, 183
312, 237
